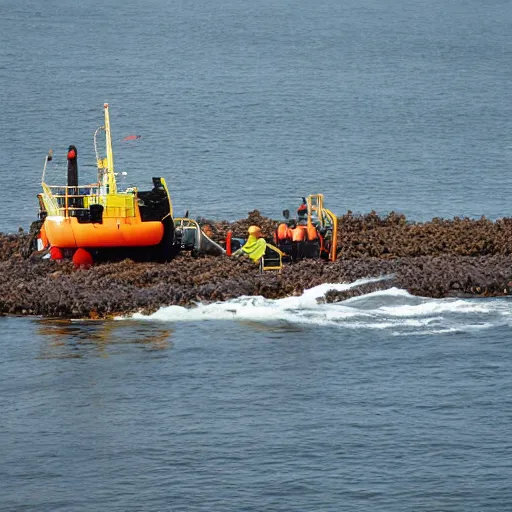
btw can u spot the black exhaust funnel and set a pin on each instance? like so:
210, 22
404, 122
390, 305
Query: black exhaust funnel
72, 167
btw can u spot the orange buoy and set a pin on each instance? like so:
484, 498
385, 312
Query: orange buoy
56, 253
229, 236
82, 258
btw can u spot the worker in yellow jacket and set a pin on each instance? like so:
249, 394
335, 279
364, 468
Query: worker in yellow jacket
255, 246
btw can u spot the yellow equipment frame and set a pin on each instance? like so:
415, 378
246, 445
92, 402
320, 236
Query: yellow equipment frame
317, 212
272, 266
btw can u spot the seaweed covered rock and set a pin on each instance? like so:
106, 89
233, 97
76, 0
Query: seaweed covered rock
440, 258
393, 237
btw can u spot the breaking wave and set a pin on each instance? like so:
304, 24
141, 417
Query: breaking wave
393, 309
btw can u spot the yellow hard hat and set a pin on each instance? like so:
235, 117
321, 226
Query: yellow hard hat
253, 230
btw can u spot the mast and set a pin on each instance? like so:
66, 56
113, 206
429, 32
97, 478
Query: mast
109, 178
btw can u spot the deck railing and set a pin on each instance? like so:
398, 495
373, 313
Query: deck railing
68, 201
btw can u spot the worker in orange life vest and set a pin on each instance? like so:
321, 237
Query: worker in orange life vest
302, 211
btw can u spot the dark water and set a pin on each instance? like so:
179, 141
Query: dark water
252, 416
387, 403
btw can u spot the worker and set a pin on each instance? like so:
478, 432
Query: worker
255, 246
302, 211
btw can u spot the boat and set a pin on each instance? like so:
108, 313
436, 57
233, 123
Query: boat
312, 233
102, 221
98, 222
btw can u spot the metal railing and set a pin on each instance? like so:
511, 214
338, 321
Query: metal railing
63, 200
67, 201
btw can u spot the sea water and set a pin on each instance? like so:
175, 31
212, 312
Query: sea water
383, 402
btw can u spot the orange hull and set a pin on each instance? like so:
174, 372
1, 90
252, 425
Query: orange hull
68, 233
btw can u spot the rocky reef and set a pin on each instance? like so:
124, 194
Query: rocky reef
440, 258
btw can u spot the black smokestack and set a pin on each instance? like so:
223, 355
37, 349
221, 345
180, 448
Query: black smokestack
72, 167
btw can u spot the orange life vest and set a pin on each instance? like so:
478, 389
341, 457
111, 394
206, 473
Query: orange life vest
299, 234
312, 232
284, 232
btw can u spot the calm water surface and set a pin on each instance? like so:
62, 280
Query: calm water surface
130, 416
388, 403
385, 105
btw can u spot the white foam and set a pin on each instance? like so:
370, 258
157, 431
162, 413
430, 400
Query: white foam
436, 307
309, 297
388, 292
394, 309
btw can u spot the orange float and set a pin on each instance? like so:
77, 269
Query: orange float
229, 237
